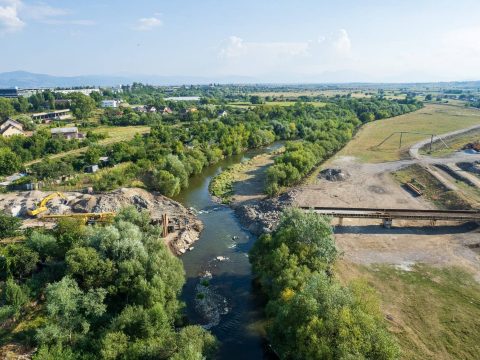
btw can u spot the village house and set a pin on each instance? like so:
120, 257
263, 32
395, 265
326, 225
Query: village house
67, 133
165, 110
140, 109
11, 127
222, 113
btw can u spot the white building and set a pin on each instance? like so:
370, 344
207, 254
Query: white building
110, 103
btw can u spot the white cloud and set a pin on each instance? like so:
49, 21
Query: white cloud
342, 43
41, 11
237, 47
9, 17
15, 14
243, 57
146, 24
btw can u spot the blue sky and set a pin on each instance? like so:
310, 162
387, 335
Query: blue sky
267, 40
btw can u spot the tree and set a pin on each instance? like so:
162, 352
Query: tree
14, 295
27, 122
20, 261
82, 105
255, 99
9, 162
6, 109
92, 155
9, 225
70, 312
85, 265
428, 97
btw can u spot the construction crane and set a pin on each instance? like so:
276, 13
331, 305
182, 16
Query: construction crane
42, 205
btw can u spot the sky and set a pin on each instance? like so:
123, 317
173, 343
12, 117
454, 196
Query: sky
262, 40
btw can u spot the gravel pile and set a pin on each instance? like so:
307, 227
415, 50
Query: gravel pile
333, 175
263, 216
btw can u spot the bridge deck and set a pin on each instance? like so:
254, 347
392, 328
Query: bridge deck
405, 214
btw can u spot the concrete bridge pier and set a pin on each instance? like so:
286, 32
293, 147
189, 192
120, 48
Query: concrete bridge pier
387, 223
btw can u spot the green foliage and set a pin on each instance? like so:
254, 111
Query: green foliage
312, 316
44, 244
14, 295
18, 261
9, 162
82, 105
111, 290
9, 225
70, 312
6, 109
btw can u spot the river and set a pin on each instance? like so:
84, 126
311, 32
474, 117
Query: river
218, 266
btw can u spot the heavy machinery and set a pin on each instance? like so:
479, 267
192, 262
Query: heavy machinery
87, 218
42, 205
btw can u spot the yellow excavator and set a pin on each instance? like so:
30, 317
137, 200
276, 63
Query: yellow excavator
87, 218
42, 205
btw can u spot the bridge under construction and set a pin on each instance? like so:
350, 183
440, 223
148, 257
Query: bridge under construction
388, 215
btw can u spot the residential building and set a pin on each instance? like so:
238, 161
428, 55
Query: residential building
222, 113
165, 110
11, 127
110, 103
67, 133
140, 109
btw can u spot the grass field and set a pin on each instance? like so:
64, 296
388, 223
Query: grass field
432, 119
114, 134
328, 93
433, 312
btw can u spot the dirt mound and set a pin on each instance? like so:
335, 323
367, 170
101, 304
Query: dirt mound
187, 226
472, 146
334, 175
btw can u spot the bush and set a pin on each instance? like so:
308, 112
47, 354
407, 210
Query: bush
9, 225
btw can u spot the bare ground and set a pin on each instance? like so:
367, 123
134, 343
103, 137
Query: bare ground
366, 242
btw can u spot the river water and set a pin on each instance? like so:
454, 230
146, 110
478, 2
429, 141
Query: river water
218, 266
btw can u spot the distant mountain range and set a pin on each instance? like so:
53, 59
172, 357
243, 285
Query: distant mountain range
25, 79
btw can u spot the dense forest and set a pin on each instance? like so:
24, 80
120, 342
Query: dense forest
108, 292
310, 314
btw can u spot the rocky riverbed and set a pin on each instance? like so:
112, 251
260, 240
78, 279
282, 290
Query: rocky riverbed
259, 216
187, 225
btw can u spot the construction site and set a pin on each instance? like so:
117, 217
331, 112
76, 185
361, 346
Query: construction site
180, 226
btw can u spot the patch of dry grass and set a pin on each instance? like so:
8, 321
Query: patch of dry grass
433, 312
432, 119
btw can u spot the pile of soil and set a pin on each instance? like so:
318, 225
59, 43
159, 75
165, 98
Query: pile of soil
472, 146
188, 226
333, 175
